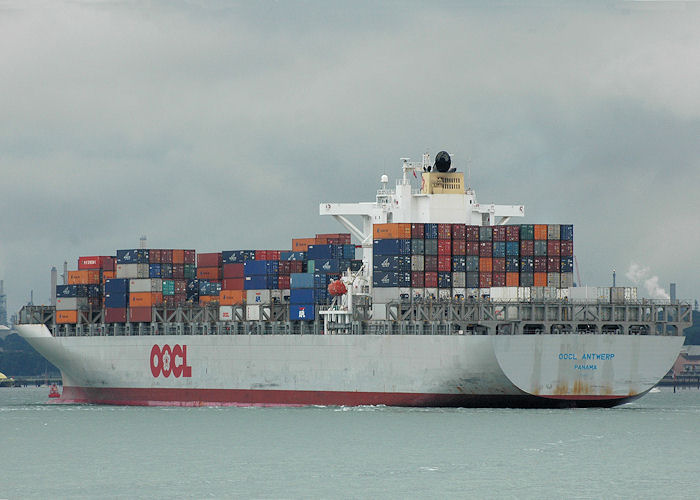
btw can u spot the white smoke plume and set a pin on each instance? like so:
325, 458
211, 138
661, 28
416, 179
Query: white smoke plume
642, 275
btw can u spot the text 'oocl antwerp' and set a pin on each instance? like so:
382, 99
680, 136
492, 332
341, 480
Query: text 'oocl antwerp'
439, 302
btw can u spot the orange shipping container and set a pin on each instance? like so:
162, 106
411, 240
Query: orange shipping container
206, 299
512, 279
302, 244
84, 277
486, 264
108, 275
63, 317
145, 299
178, 256
209, 273
399, 231
540, 279
231, 297
540, 232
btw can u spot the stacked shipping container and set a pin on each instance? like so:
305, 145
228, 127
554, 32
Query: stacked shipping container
447, 260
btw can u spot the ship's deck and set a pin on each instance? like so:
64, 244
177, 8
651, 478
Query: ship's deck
432, 317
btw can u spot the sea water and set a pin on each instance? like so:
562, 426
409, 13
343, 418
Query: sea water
649, 448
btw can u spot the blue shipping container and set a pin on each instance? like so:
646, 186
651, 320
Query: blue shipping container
66, 291
385, 279
527, 265
431, 231
566, 232
302, 296
301, 280
499, 249
116, 300
127, 256
512, 248
348, 251
567, 264
257, 282
260, 267
327, 265
154, 271
293, 256
512, 264
404, 278
319, 252
386, 262
116, 285
302, 312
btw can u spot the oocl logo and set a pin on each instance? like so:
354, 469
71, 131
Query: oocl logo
166, 360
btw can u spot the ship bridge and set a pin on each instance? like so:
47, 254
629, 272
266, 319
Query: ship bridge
441, 198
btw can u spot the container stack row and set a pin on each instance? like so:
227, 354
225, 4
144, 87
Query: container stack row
447, 259
134, 281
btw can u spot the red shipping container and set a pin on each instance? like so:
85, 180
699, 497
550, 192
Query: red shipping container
444, 263
296, 266
209, 273
485, 280
178, 256
180, 298
444, 247
189, 256
178, 270
93, 262
417, 279
540, 279
485, 249
417, 232
499, 266
472, 247
553, 248
540, 233
472, 233
284, 267
180, 286
209, 259
261, 255
512, 234
233, 270
283, 282
567, 248
343, 238
430, 263
499, 234
154, 256
431, 279
166, 256
540, 266
275, 254
140, 314
553, 264
512, 279
444, 231
459, 247
498, 279
459, 231
486, 264
115, 315
233, 284
527, 248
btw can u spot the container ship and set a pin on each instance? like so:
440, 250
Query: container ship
429, 299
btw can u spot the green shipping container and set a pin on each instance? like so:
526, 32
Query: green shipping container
168, 287
527, 232
190, 271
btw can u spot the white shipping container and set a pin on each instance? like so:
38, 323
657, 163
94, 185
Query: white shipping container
225, 313
70, 303
285, 295
431, 293
504, 293
405, 293
459, 293
473, 293
417, 293
583, 293
146, 285
524, 293
381, 295
142, 271
127, 271
604, 293
252, 313
445, 293
276, 296
258, 297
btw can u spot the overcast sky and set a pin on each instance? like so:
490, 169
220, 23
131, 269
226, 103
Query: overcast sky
223, 125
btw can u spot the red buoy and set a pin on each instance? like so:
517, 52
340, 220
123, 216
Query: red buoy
337, 287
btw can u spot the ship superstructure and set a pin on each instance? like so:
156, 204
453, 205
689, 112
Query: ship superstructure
447, 304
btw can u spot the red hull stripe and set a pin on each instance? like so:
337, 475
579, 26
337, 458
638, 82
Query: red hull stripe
243, 397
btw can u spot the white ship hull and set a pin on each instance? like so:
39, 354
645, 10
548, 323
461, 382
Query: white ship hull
403, 370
